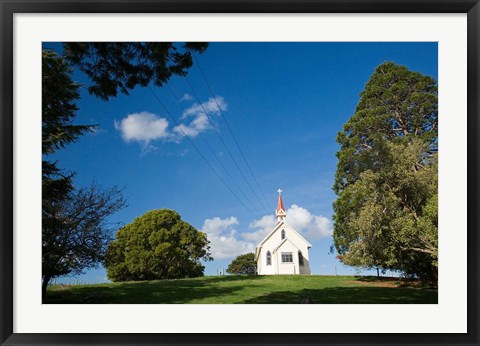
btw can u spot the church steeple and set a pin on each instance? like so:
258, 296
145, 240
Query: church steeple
280, 213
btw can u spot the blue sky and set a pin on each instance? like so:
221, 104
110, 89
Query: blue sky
284, 102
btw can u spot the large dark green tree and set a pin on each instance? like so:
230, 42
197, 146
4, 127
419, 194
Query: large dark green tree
158, 245
243, 264
74, 228
386, 179
59, 96
121, 66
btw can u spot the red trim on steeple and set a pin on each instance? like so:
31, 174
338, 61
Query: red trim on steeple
280, 213
280, 203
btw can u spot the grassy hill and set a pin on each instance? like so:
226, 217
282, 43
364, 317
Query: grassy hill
249, 290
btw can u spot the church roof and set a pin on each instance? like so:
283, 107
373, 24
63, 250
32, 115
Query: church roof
276, 228
282, 242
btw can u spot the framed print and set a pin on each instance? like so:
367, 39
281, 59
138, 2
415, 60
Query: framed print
239, 172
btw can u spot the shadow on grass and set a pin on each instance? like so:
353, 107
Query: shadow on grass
232, 278
399, 282
149, 292
351, 295
375, 278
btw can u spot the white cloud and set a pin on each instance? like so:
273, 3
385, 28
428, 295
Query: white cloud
227, 242
142, 127
217, 225
311, 226
186, 97
224, 241
200, 113
263, 226
199, 124
213, 105
145, 127
266, 222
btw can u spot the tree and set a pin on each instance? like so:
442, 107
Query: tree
158, 245
74, 229
243, 264
121, 66
387, 176
75, 233
59, 96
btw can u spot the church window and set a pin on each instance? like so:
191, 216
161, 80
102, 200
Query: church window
283, 234
300, 258
287, 257
269, 258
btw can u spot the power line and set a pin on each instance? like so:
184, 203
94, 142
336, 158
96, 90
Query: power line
215, 155
228, 126
223, 142
199, 152
171, 91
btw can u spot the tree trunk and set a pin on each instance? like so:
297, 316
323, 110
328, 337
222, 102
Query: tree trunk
427, 251
45, 282
378, 272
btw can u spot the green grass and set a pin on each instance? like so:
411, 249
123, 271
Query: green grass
248, 290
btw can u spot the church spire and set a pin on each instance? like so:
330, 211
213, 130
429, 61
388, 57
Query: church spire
280, 213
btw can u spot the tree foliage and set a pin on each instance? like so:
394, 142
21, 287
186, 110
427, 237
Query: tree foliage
59, 96
74, 229
387, 176
75, 232
243, 264
158, 245
120, 66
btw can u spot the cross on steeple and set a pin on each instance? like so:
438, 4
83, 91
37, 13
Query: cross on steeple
279, 191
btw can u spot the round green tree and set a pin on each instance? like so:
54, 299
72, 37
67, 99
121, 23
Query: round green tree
243, 264
158, 245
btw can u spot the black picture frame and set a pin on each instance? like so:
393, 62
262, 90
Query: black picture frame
9, 7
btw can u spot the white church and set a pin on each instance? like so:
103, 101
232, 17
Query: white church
283, 250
